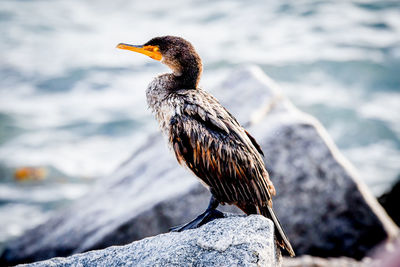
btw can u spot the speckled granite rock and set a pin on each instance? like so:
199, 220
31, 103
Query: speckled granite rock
321, 203
233, 241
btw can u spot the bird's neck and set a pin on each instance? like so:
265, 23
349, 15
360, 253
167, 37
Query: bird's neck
185, 72
187, 78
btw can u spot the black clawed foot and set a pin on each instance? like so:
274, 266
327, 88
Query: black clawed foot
203, 218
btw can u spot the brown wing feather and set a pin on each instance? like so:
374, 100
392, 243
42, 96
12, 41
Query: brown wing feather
215, 147
254, 142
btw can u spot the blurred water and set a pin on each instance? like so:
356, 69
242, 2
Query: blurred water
73, 103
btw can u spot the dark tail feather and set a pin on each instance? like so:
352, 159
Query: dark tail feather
281, 237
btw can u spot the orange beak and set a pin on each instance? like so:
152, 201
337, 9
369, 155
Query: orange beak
148, 50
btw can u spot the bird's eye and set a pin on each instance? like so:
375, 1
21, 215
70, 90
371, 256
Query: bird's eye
152, 48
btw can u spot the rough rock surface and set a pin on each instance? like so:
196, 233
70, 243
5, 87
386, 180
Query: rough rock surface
324, 208
233, 241
309, 261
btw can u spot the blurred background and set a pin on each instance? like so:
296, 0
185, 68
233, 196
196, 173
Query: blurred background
72, 106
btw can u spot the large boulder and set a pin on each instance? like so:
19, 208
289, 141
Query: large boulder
324, 207
232, 241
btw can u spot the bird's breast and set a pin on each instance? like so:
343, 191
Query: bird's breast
163, 113
163, 104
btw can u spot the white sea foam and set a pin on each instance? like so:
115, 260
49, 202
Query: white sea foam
72, 48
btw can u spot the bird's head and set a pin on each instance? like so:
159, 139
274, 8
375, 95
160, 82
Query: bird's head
175, 52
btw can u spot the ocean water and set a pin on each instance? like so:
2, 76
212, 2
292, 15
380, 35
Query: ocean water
74, 105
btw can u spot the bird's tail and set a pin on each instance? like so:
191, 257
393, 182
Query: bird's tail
281, 237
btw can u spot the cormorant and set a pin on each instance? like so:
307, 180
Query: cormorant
206, 137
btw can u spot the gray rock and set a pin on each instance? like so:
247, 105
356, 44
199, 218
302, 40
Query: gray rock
309, 261
390, 201
325, 208
321, 203
232, 241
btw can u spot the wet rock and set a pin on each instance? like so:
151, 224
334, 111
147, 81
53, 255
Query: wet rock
320, 201
232, 241
390, 202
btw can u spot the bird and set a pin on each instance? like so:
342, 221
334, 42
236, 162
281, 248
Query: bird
206, 138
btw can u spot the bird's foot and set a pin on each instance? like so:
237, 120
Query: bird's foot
205, 217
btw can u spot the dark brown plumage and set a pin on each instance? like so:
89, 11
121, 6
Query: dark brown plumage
206, 137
